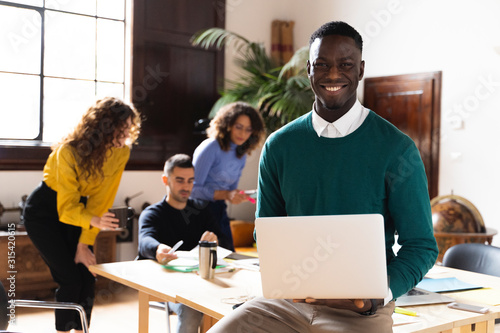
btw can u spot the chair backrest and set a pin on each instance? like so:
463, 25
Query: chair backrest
475, 257
5, 306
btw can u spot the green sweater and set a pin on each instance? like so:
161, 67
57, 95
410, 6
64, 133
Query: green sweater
375, 169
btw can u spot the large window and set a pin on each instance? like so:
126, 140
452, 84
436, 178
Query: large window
56, 58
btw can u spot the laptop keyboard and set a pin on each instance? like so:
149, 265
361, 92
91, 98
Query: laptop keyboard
415, 292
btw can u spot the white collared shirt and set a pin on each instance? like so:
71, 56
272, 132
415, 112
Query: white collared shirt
343, 126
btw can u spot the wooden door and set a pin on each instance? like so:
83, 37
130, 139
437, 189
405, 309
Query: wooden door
173, 83
412, 103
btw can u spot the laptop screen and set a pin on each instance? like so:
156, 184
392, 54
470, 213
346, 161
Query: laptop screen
334, 256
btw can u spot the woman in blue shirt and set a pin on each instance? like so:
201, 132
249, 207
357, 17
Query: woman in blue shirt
235, 131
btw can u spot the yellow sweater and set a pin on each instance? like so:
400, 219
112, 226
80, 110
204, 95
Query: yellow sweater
63, 174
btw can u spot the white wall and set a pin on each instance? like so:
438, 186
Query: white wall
459, 38
464, 44
252, 20
15, 184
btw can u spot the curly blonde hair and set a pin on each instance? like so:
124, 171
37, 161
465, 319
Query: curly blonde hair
220, 127
94, 135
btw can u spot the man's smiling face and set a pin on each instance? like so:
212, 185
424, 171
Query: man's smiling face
335, 69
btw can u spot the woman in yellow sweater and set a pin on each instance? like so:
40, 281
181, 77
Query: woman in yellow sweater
65, 212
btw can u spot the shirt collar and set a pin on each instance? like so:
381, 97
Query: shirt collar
342, 125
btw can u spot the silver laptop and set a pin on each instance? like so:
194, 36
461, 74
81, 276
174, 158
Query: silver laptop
418, 296
338, 256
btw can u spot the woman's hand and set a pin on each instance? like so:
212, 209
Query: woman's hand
84, 256
236, 197
162, 254
106, 221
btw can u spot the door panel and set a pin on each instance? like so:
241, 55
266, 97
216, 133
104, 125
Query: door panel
173, 83
411, 103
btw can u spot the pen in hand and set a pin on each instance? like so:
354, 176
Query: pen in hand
249, 198
176, 247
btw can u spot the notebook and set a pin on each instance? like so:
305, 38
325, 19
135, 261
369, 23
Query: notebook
336, 256
445, 285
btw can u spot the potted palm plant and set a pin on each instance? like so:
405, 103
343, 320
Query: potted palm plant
280, 93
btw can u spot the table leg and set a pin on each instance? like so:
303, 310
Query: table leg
143, 312
207, 322
490, 326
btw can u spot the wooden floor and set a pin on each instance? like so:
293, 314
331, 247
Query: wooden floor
115, 310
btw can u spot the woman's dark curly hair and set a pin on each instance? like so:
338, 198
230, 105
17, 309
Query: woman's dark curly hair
220, 127
94, 135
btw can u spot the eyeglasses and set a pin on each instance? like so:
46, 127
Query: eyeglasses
240, 127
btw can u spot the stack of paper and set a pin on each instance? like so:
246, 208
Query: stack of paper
183, 264
250, 264
187, 261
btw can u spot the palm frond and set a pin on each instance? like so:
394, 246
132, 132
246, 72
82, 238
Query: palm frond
217, 37
297, 64
299, 81
281, 94
223, 100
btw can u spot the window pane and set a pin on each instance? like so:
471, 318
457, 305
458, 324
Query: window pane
109, 90
64, 103
111, 8
20, 40
70, 46
73, 6
38, 3
83, 60
20, 106
110, 45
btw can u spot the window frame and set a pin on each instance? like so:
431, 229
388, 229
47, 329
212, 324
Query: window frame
145, 32
31, 154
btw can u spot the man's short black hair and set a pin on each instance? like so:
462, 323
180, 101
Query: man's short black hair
180, 160
337, 28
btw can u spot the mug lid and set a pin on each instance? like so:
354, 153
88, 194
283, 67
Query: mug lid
207, 244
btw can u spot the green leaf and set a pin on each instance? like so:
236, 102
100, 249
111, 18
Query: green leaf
281, 94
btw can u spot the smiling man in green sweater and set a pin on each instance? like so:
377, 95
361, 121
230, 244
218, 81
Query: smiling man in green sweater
342, 158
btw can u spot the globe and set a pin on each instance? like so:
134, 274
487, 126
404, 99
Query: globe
456, 220
452, 213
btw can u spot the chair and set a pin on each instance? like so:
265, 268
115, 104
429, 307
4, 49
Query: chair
164, 307
5, 308
474, 257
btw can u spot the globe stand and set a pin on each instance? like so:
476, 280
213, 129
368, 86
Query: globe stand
445, 240
455, 221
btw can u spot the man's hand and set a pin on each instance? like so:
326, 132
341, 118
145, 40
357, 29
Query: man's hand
356, 305
84, 256
209, 237
162, 254
106, 221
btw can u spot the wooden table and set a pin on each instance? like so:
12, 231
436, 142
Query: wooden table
439, 318
216, 297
